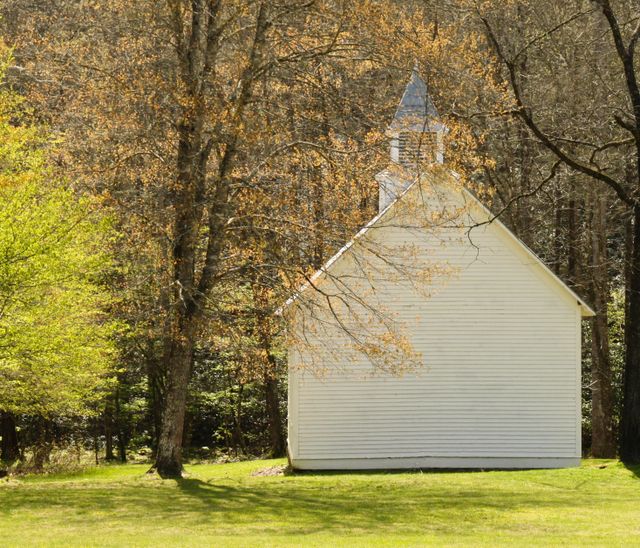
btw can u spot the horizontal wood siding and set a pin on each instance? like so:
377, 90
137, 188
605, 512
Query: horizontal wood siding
500, 357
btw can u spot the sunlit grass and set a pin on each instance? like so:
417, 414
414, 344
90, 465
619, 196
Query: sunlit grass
225, 505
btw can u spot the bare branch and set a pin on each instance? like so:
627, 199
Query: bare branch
525, 115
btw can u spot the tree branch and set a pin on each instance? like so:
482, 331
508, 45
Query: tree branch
525, 115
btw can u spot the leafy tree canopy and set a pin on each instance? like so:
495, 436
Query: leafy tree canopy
55, 343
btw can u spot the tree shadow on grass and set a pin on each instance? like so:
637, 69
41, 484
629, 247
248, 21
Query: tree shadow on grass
633, 468
298, 505
376, 507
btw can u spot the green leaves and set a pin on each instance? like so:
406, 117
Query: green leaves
55, 342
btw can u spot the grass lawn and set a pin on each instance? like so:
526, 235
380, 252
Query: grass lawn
226, 505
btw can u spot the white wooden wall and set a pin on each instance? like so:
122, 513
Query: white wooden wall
500, 380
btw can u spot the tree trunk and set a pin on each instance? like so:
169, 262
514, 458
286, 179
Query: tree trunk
200, 205
572, 241
122, 449
525, 225
43, 445
238, 435
557, 232
169, 454
108, 430
9, 448
602, 439
628, 259
274, 417
270, 368
318, 219
630, 420
156, 385
122, 437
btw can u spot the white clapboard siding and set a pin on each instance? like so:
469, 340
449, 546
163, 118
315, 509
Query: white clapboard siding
500, 350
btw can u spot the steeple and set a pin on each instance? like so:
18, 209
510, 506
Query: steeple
416, 130
416, 137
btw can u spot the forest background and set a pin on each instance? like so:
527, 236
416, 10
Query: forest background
171, 171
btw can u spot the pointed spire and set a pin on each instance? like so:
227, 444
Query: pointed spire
416, 111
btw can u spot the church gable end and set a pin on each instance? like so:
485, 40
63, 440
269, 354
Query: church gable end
496, 335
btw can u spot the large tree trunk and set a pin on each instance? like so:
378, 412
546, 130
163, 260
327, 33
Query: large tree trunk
602, 439
184, 312
630, 420
194, 272
169, 453
9, 448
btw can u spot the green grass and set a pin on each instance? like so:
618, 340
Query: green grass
225, 505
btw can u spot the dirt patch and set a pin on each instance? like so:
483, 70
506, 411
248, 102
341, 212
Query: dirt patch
271, 471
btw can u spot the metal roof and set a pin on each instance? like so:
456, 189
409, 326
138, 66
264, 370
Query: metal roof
416, 110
